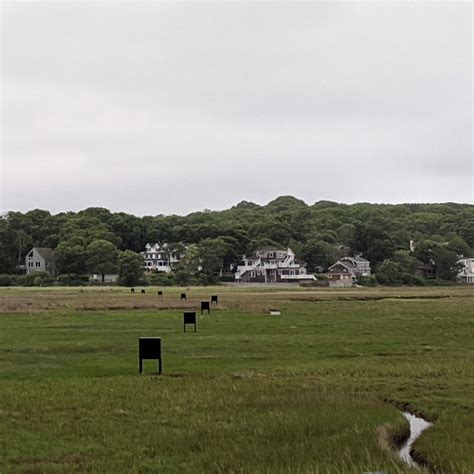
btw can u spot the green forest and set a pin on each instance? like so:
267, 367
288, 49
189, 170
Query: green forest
98, 240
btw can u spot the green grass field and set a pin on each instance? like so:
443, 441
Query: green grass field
317, 389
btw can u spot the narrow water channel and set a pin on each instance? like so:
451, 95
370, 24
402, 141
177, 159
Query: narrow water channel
417, 426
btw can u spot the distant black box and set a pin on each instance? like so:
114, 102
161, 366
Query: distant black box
205, 305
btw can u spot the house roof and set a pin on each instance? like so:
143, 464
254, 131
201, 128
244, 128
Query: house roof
357, 258
152, 246
270, 249
347, 264
46, 252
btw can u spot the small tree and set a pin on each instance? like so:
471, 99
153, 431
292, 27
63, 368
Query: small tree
102, 257
406, 261
130, 268
211, 257
443, 260
388, 273
319, 253
6, 280
188, 267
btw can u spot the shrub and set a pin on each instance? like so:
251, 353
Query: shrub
388, 273
368, 280
144, 281
440, 282
227, 278
19, 280
73, 280
162, 279
408, 279
38, 279
6, 280
182, 278
203, 279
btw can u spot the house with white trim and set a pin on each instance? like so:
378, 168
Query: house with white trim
466, 274
160, 258
347, 270
272, 265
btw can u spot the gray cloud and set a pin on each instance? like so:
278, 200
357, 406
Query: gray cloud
174, 107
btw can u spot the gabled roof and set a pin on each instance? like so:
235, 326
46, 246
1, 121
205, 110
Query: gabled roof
270, 249
357, 259
46, 252
152, 246
348, 265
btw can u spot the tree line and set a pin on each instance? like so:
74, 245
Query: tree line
98, 240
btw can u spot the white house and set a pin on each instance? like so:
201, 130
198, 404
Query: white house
272, 265
466, 274
158, 258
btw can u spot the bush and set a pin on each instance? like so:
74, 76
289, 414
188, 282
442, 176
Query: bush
227, 278
440, 282
408, 279
19, 280
6, 280
162, 279
182, 278
368, 280
204, 279
38, 279
388, 273
144, 281
73, 280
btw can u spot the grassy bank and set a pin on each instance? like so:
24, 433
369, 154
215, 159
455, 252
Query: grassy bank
306, 391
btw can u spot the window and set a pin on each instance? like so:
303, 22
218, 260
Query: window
38, 264
252, 274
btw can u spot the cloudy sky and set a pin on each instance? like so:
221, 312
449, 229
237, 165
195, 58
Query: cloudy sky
174, 107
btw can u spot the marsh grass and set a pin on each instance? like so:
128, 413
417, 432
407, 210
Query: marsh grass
305, 391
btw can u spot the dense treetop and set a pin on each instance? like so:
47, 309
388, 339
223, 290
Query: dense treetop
318, 233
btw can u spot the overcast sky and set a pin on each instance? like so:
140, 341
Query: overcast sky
174, 107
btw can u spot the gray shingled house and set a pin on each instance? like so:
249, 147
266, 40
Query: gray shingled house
346, 271
41, 259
